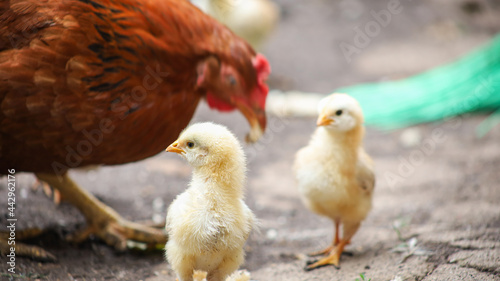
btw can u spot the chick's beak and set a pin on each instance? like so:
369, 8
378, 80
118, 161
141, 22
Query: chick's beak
174, 147
324, 120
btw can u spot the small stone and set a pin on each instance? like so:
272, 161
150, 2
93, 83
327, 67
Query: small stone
272, 234
410, 137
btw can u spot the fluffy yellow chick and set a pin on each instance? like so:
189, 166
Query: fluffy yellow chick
253, 20
334, 174
208, 224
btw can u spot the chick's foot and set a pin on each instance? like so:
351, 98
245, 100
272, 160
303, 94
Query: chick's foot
102, 220
332, 259
325, 251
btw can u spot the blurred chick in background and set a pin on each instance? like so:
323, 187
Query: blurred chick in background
208, 224
252, 20
334, 174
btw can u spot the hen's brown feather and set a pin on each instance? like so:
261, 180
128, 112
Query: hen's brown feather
86, 82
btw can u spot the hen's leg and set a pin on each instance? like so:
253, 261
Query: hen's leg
102, 221
335, 241
334, 256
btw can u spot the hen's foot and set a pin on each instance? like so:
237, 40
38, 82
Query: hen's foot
152, 223
23, 250
53, 194
117, 232
103, 221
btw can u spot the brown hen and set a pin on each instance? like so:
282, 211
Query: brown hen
104, 82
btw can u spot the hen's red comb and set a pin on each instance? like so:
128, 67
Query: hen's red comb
262, 67
263, 70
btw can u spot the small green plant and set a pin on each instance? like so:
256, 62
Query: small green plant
363, 277
408, 246
398, 226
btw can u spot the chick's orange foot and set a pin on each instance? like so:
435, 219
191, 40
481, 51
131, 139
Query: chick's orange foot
330, 248
323, 252
102, 221
331, 259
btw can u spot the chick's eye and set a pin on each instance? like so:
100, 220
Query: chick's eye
338, 112
190, 144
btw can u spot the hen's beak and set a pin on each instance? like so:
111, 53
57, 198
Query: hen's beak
174, 148
254, 108
256, 116
324, 120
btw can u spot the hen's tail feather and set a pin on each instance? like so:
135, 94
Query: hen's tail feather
470, 84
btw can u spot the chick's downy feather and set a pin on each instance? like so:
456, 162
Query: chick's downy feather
209, 222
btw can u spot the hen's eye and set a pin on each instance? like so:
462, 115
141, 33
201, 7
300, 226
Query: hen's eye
338, 112
190, 144
231, 80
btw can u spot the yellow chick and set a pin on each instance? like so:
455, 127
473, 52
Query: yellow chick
334, 174
208, 224
253, 20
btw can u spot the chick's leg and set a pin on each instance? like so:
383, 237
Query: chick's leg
185, 271
185, 276
335, 241
333, 258
228, 265
102, 221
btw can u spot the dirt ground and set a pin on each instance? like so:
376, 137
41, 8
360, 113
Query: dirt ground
436, 213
